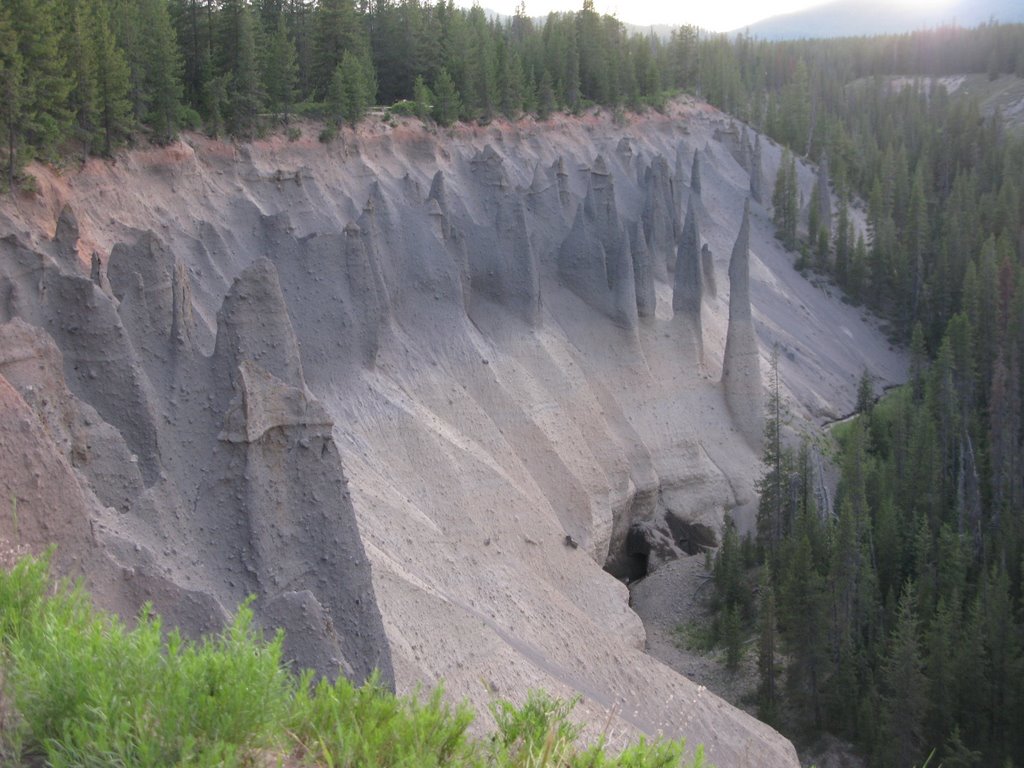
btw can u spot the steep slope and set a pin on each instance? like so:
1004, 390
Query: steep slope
414, 390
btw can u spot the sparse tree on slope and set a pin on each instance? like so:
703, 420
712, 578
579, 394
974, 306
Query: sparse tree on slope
784, 201
773, 485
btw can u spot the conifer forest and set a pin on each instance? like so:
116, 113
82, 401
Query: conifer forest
896, 621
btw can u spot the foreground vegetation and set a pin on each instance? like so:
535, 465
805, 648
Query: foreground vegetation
78, 688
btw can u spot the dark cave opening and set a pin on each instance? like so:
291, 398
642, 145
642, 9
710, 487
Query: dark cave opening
637, 566
648, 543
630, 561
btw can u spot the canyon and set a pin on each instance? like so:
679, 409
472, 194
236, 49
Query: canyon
433, 396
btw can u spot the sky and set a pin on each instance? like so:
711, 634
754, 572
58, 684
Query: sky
715, 15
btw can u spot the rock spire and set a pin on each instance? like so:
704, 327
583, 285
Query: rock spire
741, 368
689, 283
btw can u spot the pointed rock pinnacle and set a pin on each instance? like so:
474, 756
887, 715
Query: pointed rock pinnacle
689, 283
741, 368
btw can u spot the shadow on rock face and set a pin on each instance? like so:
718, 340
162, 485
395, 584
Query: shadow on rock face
238, 488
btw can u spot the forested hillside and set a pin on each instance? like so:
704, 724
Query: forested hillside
897, 622
85, 75
92, 73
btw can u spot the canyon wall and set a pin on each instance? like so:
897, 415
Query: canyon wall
423, 392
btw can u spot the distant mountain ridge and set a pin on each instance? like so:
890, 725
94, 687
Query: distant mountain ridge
853, 18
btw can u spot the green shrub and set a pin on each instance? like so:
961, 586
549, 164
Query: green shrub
84, 690
189, 119
538, 733
404, 108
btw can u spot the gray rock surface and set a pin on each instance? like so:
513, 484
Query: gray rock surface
660, 217
595, 260
744, 151
65, 238
741, 366
643, 273
688, 291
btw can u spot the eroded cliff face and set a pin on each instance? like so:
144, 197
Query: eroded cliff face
415, 391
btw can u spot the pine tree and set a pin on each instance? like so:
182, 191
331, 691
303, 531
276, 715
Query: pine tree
127, 27
43, 117
843, 244
802, 614
11, 73
161, 70
784, 201
479, 85
732, 637
940, 648
958, 754
972, 672
821, 250
865, 393
905, 699
512, 85
883, 244
446, 99
545, 97
280, 70
111, 80
353, 88
245, 96
423, 97
773, 485
858, 268
813, 216
730, 588
767, 633
80, 49
338, 30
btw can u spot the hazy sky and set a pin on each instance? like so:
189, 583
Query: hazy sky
717, 15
